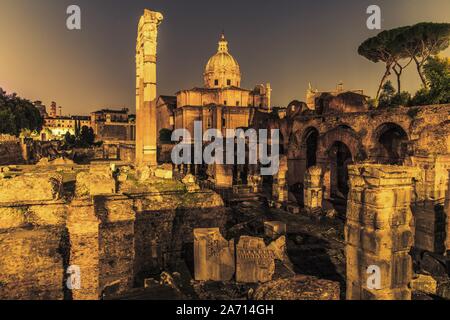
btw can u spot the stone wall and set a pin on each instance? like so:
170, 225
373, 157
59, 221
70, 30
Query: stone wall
11, 153
425, 127
115, 240
31, 233
428, 205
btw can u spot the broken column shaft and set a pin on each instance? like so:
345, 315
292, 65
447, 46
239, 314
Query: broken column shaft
379, 232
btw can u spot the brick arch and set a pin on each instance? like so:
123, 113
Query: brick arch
388, 141
378, 131
347, 136
297, 141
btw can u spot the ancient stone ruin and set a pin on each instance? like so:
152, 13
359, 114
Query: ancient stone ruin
379, 232
359, 208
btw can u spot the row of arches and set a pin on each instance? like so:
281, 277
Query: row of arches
340, 147
389, 141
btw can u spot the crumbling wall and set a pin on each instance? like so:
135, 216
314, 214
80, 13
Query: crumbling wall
31, 238
115, 240
428, 205
11, 153
84, 250
116, 243
426, 132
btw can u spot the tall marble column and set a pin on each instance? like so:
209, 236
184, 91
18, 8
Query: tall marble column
146, 127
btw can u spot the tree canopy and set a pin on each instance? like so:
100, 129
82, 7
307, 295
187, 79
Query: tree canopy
84, 137
17, 114
437, 76
422, 41
398, 47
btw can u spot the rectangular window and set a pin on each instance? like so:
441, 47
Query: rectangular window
216, 82
225, 102
237, 103
228, 82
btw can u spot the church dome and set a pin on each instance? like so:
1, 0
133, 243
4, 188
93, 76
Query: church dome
222, 70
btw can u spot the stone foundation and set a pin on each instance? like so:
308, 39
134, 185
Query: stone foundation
115, 240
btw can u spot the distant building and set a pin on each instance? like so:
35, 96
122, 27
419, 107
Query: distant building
165, 110
56, 128
113, 125
53, 110
108, 124
312, 95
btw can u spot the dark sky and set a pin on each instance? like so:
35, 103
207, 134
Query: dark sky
285, 42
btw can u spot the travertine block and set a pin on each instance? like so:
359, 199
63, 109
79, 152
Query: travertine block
213, 256
274, 229
164, 174
255, 261
31, 187
99, 180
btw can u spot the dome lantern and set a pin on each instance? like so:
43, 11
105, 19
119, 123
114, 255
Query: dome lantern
222, 70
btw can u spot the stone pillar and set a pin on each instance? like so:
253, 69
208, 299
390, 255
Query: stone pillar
280, 192
274, 229
116, 242
428, 207
313, 193
146, 126
223, 175
255, 182
83, 227
379, 232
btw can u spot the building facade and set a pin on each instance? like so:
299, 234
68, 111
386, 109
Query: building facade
113, 125
57, 127
221, 103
